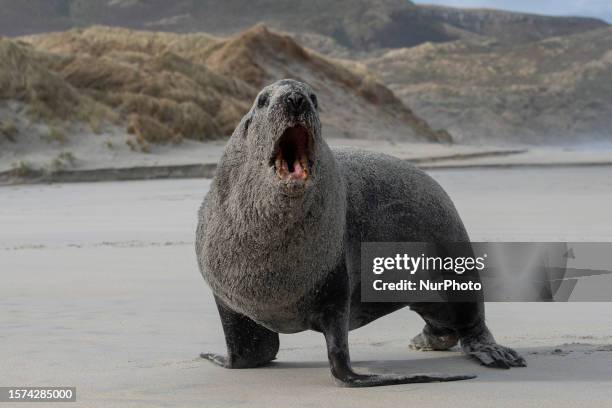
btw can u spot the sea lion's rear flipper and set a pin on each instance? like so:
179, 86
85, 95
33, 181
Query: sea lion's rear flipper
249, 344
336, 338
480, 345
466, 320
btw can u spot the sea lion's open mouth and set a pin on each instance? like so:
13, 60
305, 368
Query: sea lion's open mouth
292, 155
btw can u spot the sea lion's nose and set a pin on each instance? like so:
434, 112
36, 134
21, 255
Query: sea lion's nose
295, 102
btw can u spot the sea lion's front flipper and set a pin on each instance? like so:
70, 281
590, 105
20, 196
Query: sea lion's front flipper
249, 344
336, 338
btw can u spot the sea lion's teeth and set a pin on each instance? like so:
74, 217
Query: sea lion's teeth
304, 163
282, 168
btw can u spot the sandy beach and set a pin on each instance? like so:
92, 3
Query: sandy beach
33, 161
101, 291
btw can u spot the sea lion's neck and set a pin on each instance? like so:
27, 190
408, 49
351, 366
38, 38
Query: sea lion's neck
257, 211
275, 252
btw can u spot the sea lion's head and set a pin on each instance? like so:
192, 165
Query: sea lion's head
281, 136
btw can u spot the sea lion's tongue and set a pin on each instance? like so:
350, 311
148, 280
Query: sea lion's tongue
296, 172
299, 172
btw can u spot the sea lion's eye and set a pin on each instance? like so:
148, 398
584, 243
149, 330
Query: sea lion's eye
262, 100
315, 103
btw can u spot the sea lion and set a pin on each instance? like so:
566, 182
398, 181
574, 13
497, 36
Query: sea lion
279, 233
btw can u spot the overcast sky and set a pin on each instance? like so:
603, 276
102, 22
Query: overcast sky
594, 8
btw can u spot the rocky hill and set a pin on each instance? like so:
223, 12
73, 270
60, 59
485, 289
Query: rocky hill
506, 26
353, 25
550, 91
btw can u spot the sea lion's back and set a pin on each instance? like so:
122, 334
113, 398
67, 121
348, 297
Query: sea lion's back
389, 199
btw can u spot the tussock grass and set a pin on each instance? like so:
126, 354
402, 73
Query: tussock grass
56, 135
148, 130
64, 160
165, 87
48, 97
8, 130
151, 81
22, 169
